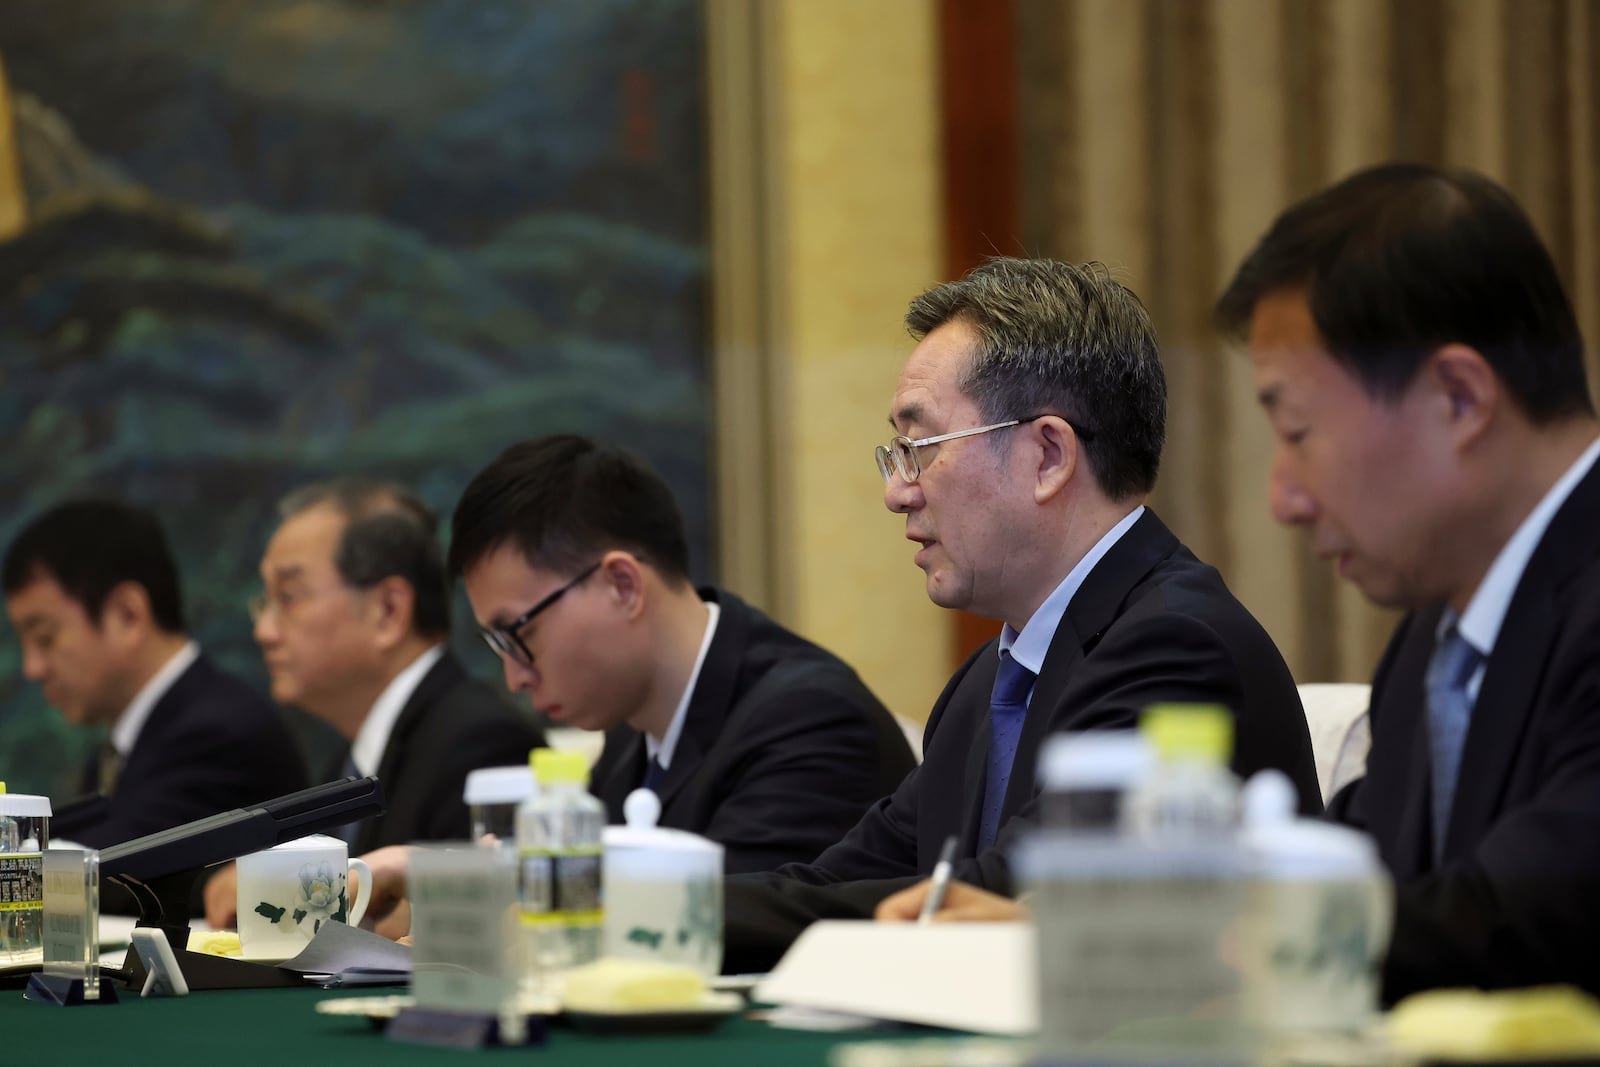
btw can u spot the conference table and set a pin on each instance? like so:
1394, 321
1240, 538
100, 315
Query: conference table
281, 1027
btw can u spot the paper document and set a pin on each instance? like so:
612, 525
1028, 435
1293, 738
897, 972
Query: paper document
964, 976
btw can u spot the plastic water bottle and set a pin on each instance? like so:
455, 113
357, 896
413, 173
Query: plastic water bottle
1194, 799
1139, 890
24, 835
559, 842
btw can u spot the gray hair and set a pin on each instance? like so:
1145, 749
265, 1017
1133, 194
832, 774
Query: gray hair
388, 532
1061, 339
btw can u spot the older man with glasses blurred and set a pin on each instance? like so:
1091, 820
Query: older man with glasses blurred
353, 620
1029, 424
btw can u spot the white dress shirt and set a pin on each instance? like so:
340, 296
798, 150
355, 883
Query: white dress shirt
661, 751
366, 751
125, 734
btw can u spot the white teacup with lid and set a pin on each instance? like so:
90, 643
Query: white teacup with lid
663, 890
1322, 915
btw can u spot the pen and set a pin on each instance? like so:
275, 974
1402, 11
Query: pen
941, 882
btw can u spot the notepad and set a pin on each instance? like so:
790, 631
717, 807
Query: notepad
964, 976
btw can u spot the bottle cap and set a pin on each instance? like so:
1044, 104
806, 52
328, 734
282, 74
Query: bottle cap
1093, 759
552, 767
1189, 731
500, 785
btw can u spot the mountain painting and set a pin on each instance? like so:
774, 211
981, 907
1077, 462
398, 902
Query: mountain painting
248, 244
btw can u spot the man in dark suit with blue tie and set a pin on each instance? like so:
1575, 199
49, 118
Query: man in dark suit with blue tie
1424, 374
1029, 425
94, 596
577, 566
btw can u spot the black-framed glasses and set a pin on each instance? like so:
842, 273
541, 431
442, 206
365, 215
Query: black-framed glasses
506, 640
899, 456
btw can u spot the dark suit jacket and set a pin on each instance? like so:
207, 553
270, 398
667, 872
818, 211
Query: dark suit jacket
452, 724
1150, 623
211, 743
1515, 899
783, 747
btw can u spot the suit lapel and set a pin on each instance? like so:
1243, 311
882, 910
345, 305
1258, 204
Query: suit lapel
976, 691
1095, 605
1511, 680
439, 679
712, 696
1406, 705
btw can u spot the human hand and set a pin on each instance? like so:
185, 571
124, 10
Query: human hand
222, 898
388, 912
962, 903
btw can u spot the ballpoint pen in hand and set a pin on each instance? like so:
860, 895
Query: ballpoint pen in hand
941, 882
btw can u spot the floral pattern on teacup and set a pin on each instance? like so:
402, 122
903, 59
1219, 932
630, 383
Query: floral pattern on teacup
319, 897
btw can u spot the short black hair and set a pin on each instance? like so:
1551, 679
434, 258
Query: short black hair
92, 545
562, 501
1063, 339
389, 532
1401, 259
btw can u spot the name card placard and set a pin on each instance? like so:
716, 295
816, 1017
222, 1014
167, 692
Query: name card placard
72, 917
464, 929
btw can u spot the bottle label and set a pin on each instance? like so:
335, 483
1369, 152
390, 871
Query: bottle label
561, 889
21, 881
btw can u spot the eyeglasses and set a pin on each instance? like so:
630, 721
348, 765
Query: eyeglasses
282, 602
899, 456
504, 639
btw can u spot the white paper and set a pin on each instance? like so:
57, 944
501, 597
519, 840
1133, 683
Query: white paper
963, 976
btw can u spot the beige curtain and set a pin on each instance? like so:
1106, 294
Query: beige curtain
1162, 136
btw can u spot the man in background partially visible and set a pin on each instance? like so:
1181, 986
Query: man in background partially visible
94, 596
353, 622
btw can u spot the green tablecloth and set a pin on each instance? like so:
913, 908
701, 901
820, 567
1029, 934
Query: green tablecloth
280, 1027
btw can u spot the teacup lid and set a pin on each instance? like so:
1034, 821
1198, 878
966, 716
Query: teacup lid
23, 805
1310, 848
641, 809
500, 785
309, 841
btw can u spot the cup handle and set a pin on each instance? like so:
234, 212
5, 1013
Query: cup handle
363, 892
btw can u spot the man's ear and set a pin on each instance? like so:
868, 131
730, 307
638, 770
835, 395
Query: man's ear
394, 603
1466, 388
624, 578
126, 616
1059, 456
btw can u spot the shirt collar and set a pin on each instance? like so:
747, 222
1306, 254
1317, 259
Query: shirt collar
1031, 645
126, 732
366, 751
1486, 611
661, 751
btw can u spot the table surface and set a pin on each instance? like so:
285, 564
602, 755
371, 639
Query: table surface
281, 1027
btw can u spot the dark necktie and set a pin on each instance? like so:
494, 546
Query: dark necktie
108, 763
1449, 712
653, 775
1008, 707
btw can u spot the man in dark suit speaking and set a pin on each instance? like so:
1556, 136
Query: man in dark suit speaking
1029, 423
94, 596
576, 563
1424, 374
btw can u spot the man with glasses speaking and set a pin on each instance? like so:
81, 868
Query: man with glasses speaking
1029, 423
353, 620
576, 562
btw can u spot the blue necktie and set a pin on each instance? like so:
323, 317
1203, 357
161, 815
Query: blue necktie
653, 775
1008, 707
1449, 711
